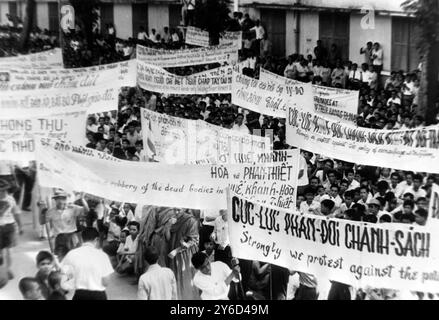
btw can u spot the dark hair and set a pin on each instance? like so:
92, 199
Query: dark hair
126, 232
309, 190
389, 196
328, 204
395, 174
381, 200
417, 177
89, 234
421, 199
151, 255
134, 223
409, 194
422, 212
359, 207
385, 218
44, 255
409, 203
335, 186
198, 259
54, 279
350, 194
382, 185
25, 284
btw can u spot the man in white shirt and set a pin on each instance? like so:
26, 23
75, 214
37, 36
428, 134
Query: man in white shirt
213, 278
142, 34
309, 206
157, 283
353, 184
394, 99
239, 124
126, 263
62, 219
404, 185
415, 188
220, 236
377, 58
89, 267
259, 29
334, 196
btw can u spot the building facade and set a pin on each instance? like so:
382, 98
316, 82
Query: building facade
296, 25
292, 25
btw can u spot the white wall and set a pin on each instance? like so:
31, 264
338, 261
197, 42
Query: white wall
309, 32
382, 33
254, 13
158, 17
4, 9
123, 16
290, 33
42, 15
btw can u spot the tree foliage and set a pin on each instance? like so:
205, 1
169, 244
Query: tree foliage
213, 16
426, 13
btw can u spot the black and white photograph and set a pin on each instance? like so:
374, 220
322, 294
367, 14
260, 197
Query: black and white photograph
237, 151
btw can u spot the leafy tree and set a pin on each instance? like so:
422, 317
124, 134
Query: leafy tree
213, 16
27, 26
426, 13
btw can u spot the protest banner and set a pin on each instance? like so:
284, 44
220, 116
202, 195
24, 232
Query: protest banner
44, 60
33, 103
177, 140
17, 136
355, 253
333, 103
412, 149
118, 74
433, 208
156, 79
187, 57
197, 37
187, 186
268, 97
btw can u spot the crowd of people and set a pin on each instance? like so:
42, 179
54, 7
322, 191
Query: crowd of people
174, 253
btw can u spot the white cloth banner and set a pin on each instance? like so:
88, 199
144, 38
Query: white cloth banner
268, 97
177, 140
398, 149
197, 37
118, 74
17, 136
33, 103
187, 57
44, 60
157, 79
333, 103
355, 253
187, 186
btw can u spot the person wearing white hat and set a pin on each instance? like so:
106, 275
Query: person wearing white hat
62, 219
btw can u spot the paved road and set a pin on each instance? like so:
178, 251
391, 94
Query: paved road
23, 264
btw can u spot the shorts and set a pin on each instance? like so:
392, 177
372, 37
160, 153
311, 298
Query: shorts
7, 235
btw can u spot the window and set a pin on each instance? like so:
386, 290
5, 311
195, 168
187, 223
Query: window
334, 28
274, 23
107, 15
405, 55
174, 15
13, 8
53, 17
140, 17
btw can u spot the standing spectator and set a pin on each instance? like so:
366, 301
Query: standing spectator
63, 220
260, 32
334, 55
220, 236
9, 219
157, 283
265, 46
377, 58
307, 287
320, 52
247, 23
367, 51
89, 267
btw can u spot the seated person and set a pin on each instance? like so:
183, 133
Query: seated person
126, 263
